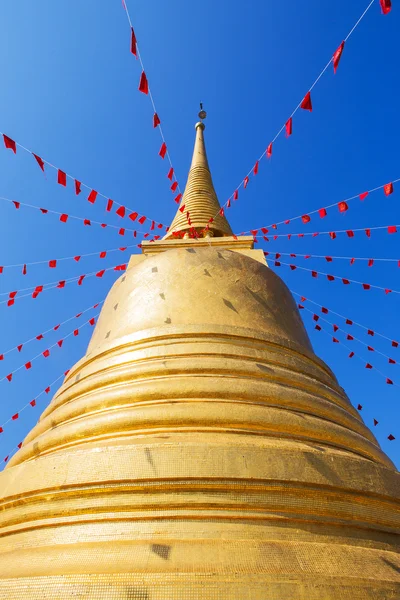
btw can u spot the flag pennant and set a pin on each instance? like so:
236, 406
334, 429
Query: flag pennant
80, 280
306, 218
255, 168
142, 220
163, 150
64, 218
92, 197
60, 343
388, 189
9, 143
337, 56
39, 161
46, 353
61, 178
363, 195
77, 187
103, 254
236, 194
156, 120
390, 437
143, 84
343, 207
52, 264
170, 174
109, 205
16, 204
289, 127
15, 417
269, 150
174, 186
32, 403
370, 264
120, 211
392, 229
24, 270
245, 182
306, 103
322, 212
133, 43
386, 6
178, 198
61, 284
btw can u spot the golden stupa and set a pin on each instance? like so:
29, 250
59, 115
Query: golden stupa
200, 450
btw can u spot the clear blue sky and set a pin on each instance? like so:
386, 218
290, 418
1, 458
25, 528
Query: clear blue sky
69, 92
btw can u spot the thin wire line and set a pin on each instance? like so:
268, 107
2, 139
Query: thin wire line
345, 318
313, 212
340, 277
150, 94
49, 348
298, 106
91, 307
307, 256
316, 233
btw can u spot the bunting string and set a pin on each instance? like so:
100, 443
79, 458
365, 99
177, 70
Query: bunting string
46, 353
352, 354
64, 218
305, 104
342, 207
351, 322
32, 404
344, 280
390, 229
56, 327
12, 296
144, 87
63, 176
351, 259
53, 263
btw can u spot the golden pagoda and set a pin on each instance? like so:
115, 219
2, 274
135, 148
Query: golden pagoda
200, 450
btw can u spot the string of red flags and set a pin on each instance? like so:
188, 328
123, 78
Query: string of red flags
54, 263
318, 327
305, 104
352, 260
63, 177
349, 337
349, 322
342, 206
47, 352
263, 233
31, 404
352, 354
16, 295
66, 218
344, 280
144, 88
42, 334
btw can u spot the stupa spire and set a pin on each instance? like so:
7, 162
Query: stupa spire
199, 209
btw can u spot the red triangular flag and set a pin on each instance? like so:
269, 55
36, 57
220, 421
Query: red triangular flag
120, 211
77, 187
386, 6
32, 402
306, 218
363, 195
28, 365
143, 84
61, 178
322, 212
269, 150
170, 174
9, 143
15, 417
92, 197
24, 270
245, 182
156, 120
306, 103
103, 254
342, 206
336, 57
255, 168
163, 150
133, 43
289, 127
109, 205
39, 161
388, 189
142, 220
46, 353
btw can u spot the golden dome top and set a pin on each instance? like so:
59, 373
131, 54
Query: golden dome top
200, 202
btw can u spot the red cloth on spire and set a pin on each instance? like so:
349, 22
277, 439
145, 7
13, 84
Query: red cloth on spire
337, 56
306, 103
143, 84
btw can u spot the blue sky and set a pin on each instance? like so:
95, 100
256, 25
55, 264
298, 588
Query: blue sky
69, 93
